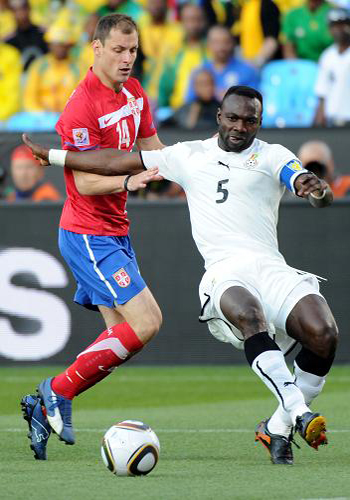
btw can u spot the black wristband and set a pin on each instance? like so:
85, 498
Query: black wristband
126, 180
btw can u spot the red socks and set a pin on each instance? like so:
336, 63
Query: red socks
112, 348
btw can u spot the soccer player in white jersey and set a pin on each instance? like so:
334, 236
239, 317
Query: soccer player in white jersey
250, 296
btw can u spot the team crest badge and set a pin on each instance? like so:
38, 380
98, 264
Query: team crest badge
81, 137
122, 278
134, 108
252, 161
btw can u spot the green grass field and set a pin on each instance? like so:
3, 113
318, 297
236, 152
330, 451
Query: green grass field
205, 419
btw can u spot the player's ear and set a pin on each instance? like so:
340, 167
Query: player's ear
261, 115
96, 47
218, 116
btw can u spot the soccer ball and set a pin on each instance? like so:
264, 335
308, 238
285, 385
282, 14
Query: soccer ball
130, 448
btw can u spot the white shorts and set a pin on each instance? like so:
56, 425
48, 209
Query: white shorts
277, 286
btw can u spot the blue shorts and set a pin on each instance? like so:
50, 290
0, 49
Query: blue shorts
104, 268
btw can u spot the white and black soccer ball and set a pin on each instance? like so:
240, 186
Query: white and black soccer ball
130, 448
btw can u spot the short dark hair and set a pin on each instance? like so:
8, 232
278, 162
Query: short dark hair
114, 21
244, 91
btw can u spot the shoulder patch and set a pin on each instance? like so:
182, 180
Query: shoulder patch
81, 137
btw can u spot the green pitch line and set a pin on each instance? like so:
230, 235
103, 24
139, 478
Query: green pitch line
205, 419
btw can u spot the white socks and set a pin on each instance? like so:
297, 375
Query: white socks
271, 367
310, 386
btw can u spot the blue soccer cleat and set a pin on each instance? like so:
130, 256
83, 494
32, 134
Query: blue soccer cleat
39, 428
58, 411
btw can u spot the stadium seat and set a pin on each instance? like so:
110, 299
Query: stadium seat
163, 113
43, 121
288, 90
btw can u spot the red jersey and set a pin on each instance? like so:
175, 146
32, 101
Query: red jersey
97, 117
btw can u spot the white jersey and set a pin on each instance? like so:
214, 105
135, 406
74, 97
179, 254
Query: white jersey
333, 83
233, 198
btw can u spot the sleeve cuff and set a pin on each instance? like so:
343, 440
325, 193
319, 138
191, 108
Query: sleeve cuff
143, 163
294, 178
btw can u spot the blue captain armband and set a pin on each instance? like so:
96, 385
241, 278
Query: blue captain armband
290, 171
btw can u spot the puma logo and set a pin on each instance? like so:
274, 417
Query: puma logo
288, 383
223, 164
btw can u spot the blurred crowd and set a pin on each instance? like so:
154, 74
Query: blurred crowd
297, 52
190, 52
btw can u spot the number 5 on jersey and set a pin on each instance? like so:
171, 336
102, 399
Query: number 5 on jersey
123, 133
222, 191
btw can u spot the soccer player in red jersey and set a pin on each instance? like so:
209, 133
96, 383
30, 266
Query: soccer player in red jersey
108, 109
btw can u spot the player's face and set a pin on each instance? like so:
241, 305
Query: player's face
239, 120
116, 57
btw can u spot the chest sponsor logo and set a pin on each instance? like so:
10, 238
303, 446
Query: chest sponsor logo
122, 278
252, 161
294, 165
81, 136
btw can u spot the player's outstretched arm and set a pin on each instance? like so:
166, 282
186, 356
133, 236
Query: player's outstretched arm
103, 162
316, 190
92, 184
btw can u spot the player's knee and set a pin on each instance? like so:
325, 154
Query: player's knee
324, 339
149, 326
155, 323
329, 335
251, 320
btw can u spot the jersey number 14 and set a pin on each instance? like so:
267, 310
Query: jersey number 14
123, 133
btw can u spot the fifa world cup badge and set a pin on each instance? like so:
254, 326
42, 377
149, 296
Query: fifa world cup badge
122, 278
81, 136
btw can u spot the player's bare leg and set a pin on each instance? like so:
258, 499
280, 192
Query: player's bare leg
141, 320
312, 324
142, 313
110, 316
245, 312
